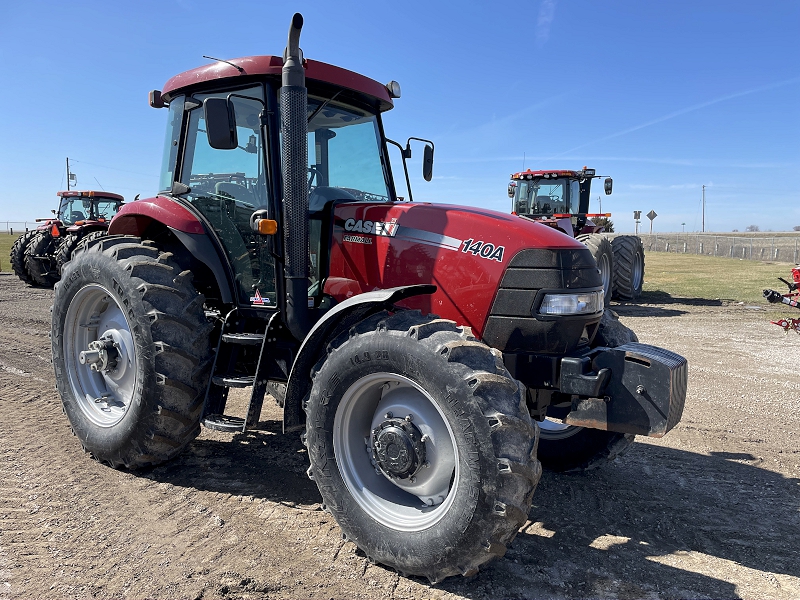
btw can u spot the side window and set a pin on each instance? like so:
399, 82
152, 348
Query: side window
574, 196
171, 143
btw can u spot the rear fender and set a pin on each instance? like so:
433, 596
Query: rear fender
338, 319
137, 217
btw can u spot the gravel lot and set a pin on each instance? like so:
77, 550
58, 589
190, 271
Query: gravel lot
710, 511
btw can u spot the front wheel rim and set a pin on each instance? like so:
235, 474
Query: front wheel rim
638, 271
403, 504
605, 274
103, 396
555, 429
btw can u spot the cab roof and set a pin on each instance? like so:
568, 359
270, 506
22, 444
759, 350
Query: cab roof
91, 194
272, 65
552, 173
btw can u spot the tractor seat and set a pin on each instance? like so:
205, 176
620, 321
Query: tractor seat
77, 216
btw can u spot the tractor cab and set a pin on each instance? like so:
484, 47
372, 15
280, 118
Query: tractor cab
558, 198
79, 207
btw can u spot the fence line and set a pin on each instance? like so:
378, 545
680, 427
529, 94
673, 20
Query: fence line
17, 226
783, 248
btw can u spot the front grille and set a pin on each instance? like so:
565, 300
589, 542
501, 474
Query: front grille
511, 326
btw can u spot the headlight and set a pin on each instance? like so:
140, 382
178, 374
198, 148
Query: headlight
585, 303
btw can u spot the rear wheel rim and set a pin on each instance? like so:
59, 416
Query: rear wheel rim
400, 504
104, 397
638, 271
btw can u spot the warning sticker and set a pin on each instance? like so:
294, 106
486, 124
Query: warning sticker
258, 299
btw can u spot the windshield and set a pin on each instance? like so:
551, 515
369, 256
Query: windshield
344, 151
547, 197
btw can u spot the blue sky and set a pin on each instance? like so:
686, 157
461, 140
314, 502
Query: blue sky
664, 97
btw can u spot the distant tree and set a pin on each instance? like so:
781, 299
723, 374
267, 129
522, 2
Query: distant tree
752, 228
605, 222
796, 228
735, 230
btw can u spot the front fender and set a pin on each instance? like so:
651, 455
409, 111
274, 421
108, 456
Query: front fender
340, 318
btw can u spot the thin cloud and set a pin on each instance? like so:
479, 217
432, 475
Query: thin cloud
547, 12
683, 111
681, 162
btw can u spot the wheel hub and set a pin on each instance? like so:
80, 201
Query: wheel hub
399, 447
101, 356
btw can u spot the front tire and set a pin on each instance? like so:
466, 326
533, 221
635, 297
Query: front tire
603, 255
570, 448
72, 243
141, 403
38, 261
421, 445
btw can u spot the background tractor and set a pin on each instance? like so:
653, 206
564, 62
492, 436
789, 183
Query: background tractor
415, 345
38, 256
560, 199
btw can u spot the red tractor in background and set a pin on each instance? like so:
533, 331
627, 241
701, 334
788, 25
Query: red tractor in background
560, 199
38, 256
417, 344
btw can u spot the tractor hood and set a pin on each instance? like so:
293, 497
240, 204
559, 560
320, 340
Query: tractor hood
464, 251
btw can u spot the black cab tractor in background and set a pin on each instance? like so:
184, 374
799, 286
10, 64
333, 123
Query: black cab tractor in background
416, 346
38, 256
560, 199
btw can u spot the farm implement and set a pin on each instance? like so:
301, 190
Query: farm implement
791, 298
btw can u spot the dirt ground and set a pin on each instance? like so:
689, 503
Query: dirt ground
710, 511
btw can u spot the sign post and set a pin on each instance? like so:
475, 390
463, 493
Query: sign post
651, 215
637, 214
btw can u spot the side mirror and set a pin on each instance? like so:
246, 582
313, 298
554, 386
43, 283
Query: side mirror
220, 123
512, 187
607, 185
427, 163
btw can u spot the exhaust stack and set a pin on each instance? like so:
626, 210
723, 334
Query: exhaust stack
294, 163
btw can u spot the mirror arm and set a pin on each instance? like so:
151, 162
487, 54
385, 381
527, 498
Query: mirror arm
405, 167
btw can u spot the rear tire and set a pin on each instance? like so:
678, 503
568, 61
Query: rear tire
38, 259
458, 513
628, 267
72, 243
17, 256
569, 448
603, 255
146, 408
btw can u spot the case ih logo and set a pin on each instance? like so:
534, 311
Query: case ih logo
372, 227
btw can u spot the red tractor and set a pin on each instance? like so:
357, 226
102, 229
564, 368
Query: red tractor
38, 256
560, 199
415, 345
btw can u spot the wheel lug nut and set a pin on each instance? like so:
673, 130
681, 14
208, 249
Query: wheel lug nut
413, 479
388, 415
409, 418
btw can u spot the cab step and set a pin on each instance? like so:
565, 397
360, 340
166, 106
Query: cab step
234, 381
224, 423
244, 339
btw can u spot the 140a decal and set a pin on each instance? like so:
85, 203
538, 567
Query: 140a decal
484, 249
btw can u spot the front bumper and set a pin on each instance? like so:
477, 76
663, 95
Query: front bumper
634, 388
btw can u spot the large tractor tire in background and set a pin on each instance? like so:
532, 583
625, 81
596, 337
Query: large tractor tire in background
17, 256
39, 259
421, 444
131, 353
628, 266
70, 245
568, 447
603, 255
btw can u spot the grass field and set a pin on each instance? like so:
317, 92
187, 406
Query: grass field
6, 241
711, 278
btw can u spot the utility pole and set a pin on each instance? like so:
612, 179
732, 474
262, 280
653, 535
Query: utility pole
704, 208
70, 176
600, 200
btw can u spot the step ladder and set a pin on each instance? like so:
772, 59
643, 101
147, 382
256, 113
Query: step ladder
223, 376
